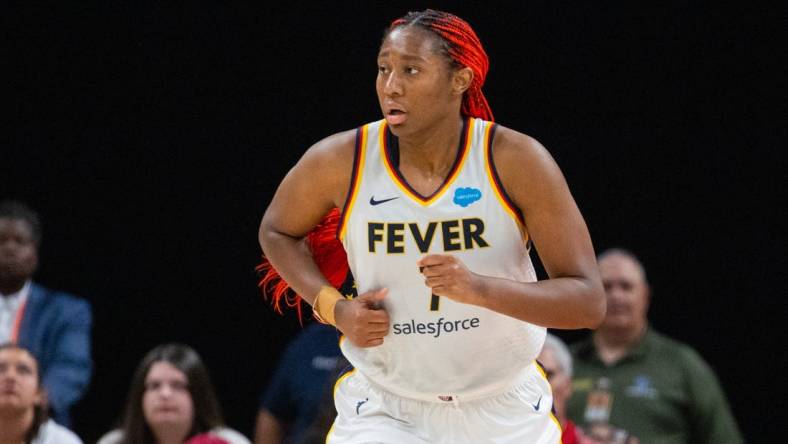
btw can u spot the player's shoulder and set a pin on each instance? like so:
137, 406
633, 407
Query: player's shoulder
514, 152
342, 142
331, 156
510, 144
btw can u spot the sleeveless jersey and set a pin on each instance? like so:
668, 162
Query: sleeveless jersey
436, 349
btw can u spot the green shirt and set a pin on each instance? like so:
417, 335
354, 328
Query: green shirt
662, 392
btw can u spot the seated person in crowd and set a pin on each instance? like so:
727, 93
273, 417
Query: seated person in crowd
290, 402
171, 400
630, 376
23, 402
317, 431
557, 364
53, 325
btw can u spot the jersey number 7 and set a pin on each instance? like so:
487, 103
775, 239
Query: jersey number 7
435, 302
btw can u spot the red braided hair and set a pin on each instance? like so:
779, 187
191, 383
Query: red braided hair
329, 255
463, 47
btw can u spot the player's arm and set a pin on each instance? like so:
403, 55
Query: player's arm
315, 185
318, 183
573, 297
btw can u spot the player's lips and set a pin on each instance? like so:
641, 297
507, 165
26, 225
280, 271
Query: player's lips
395, 114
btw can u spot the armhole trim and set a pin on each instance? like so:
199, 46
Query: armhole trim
355, 179
500, 192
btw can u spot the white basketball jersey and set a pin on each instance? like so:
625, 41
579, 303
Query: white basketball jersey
436, 349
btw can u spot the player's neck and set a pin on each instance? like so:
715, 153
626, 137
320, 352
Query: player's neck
433, 150
14, 426
611, 345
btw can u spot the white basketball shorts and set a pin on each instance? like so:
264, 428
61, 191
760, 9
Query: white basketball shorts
368, 414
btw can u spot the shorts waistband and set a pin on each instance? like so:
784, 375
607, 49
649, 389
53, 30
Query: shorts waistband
445, 398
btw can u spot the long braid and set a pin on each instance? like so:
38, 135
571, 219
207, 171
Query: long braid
329, 255
464, 49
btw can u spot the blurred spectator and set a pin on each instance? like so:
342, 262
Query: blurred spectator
605, 433
629, 375
317, 431
53, 325
23, 402
557, 365
290, 402
171, 400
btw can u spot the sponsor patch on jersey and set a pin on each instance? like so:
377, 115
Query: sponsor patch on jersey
466, 196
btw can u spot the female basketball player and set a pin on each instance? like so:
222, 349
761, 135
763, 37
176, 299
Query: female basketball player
438, 209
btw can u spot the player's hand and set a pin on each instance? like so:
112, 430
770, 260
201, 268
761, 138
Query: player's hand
363, 320
448, 276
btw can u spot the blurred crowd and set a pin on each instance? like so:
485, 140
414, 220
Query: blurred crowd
625, 383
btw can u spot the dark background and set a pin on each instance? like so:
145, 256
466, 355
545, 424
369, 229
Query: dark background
151, 136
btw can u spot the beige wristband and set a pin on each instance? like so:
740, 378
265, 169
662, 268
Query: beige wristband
325, 301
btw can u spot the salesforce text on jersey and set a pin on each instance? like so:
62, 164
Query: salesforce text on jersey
434, 328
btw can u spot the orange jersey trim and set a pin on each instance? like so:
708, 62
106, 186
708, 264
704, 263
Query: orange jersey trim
552, 416
400, 182
355, 179
336, 387
497, 186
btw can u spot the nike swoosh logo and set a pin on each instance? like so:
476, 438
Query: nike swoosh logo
538, 403
359, 404
372, 200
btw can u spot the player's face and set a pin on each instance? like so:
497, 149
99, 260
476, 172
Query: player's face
558, 379
167, 401
18, 250
627, 294
19, 389
414, 82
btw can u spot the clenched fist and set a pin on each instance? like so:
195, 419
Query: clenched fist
363, 320
448, 276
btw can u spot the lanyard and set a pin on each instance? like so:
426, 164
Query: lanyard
20, 312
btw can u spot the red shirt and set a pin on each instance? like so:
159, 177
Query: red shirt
206, 438
569, 435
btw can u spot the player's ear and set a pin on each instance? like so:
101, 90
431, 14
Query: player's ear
461, 80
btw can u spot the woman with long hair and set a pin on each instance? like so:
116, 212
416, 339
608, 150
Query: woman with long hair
171, 401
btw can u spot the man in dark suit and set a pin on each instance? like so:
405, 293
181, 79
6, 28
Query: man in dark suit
54, 325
